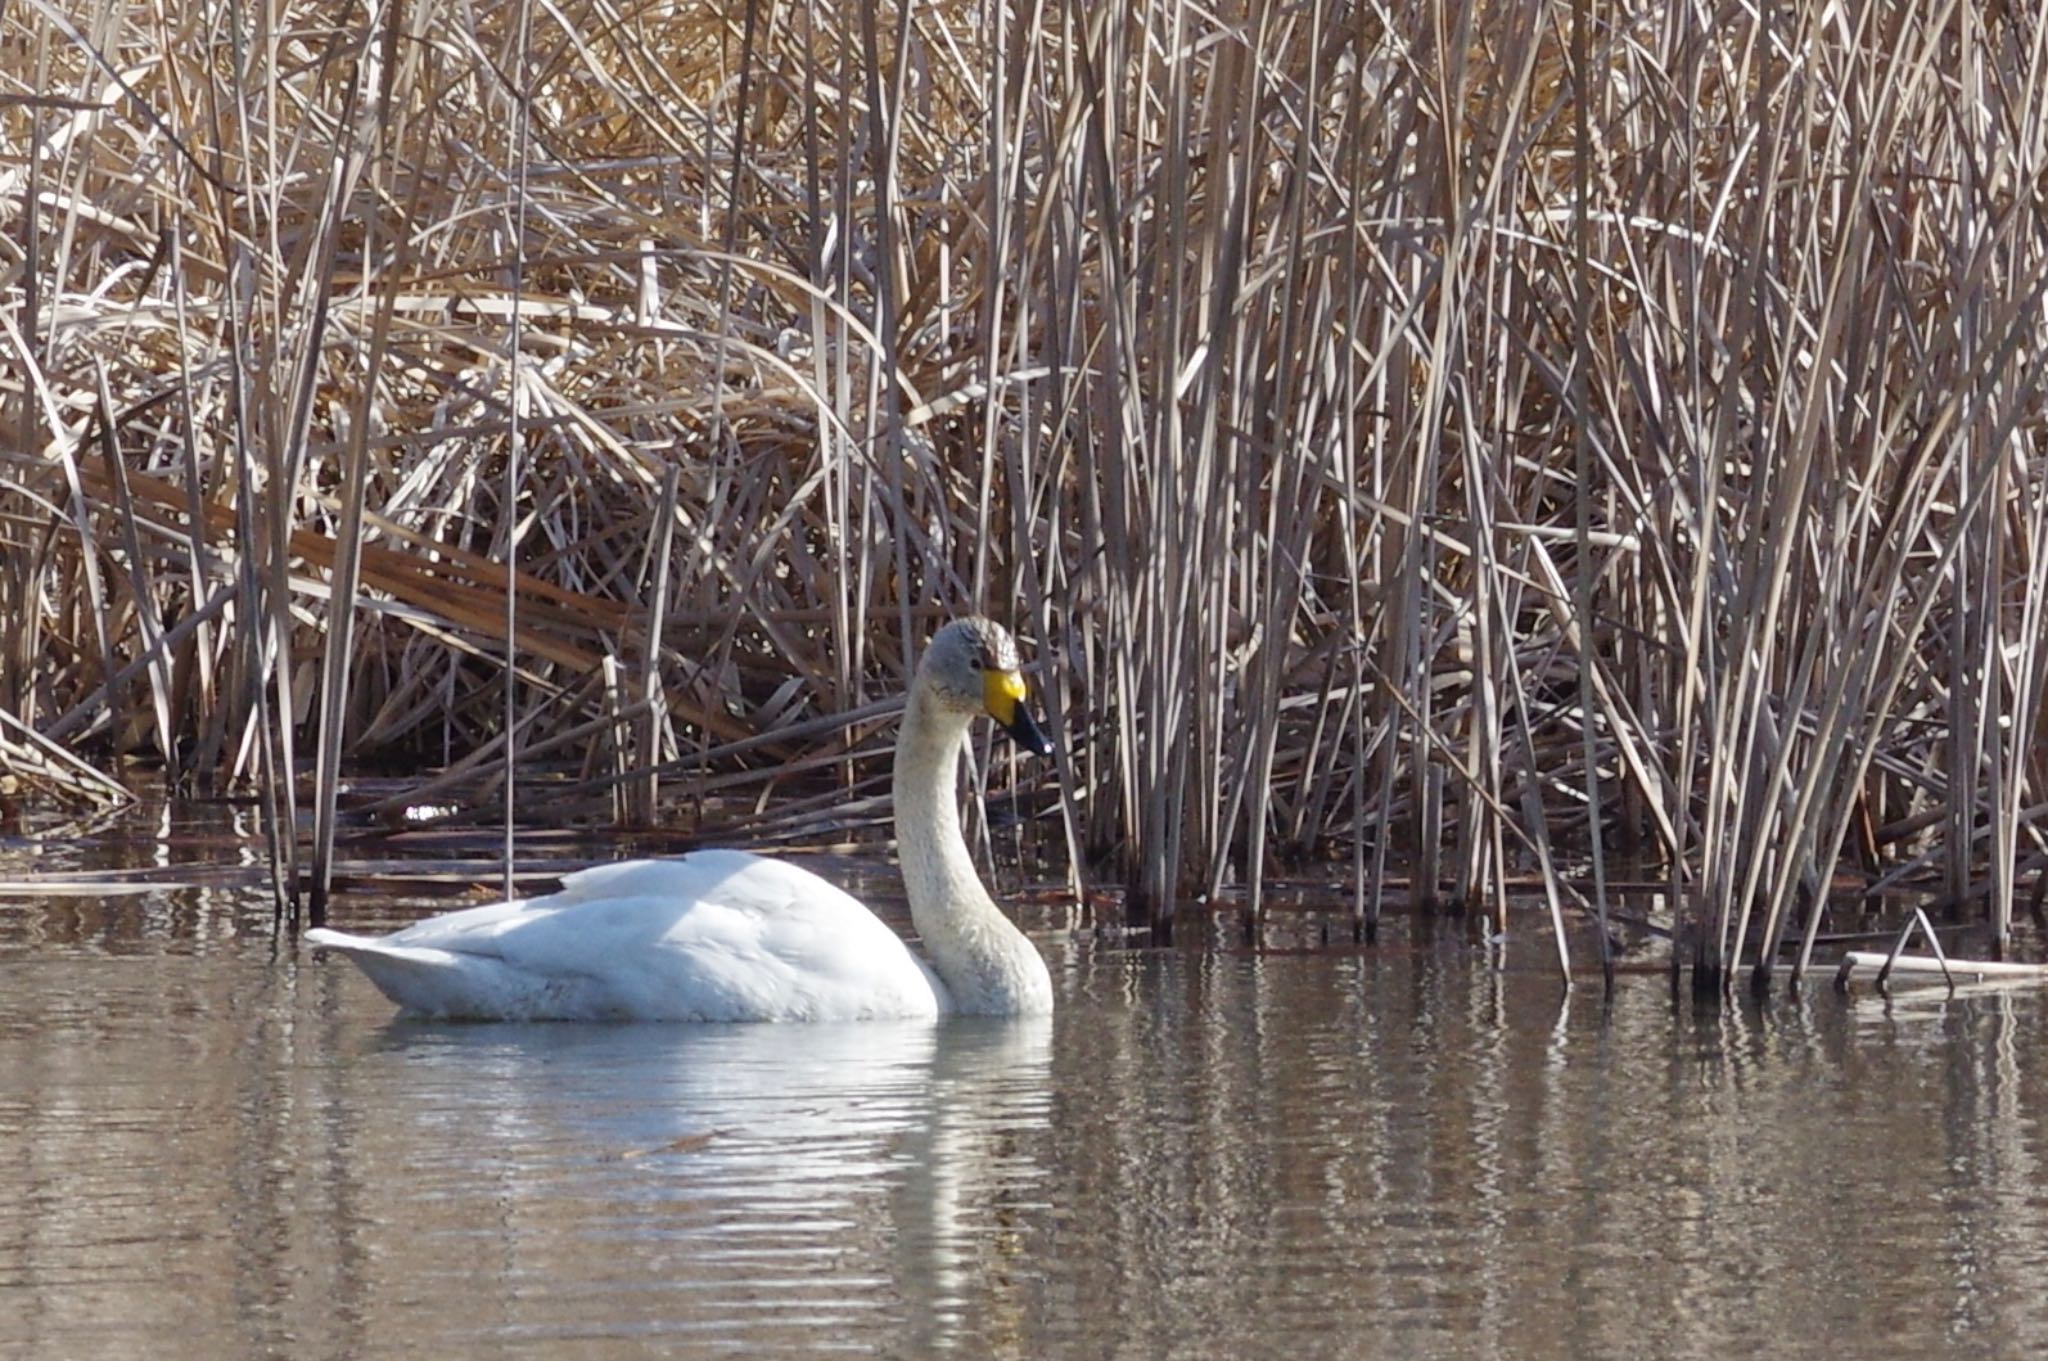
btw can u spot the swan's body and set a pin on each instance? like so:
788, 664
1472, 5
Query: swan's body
728, 936
712, 936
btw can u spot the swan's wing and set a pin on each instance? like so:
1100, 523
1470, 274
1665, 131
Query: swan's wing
699, 874
680, 881
715, 936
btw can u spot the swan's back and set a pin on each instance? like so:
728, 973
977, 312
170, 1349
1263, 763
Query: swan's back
710, 936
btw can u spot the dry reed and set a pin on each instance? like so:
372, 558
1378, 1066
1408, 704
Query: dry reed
1451, 435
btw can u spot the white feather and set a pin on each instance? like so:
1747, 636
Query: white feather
712, 936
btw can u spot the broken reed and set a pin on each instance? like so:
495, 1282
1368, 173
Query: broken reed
1537, 430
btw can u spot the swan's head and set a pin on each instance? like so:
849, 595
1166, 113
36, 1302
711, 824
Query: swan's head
971, 668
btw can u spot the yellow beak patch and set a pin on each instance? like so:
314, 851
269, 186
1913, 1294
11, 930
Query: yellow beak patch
1001, 693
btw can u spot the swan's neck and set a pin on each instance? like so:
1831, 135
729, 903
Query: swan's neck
987, 964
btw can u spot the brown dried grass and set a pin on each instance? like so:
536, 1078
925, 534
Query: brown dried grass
1389, 423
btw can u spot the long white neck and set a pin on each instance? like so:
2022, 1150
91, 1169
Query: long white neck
987, 964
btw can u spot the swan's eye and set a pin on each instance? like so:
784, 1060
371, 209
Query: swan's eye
974, 662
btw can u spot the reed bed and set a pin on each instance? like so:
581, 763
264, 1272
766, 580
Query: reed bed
1445, 437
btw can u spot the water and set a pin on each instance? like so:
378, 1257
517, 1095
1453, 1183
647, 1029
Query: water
206, 1151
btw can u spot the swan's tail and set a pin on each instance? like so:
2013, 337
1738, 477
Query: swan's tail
439, 983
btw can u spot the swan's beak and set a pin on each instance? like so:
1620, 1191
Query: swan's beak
1002, 694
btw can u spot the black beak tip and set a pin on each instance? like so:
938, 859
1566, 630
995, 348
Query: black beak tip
1026, 733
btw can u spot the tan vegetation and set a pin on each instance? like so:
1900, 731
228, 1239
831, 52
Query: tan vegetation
1533, 430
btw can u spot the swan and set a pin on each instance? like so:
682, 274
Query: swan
722, 935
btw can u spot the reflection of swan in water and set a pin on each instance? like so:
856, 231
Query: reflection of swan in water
973, 1167
840, 1169
731, 1093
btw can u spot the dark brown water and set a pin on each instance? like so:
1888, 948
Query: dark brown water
207, 1151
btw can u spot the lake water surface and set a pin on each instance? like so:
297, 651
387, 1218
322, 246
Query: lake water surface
208, 1149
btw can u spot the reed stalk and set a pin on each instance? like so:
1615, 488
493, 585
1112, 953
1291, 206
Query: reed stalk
1476, 434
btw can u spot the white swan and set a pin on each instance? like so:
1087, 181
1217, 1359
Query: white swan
728, 936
